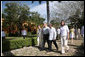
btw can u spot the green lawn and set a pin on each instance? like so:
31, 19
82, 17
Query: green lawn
14, 38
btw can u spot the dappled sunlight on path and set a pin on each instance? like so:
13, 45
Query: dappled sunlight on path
35, 51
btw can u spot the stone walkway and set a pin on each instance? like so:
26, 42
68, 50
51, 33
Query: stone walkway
34, 51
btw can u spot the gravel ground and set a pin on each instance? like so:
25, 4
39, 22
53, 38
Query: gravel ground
34, 51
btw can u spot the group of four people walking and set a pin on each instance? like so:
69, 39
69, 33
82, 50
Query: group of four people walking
48, 34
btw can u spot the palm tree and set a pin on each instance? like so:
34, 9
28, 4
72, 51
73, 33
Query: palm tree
48, 15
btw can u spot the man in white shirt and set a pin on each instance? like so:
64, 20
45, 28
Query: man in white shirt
64, 32
24, 33
45, 32
82, 33
76, 33
52, 37
79, 35
58, 32
3, 34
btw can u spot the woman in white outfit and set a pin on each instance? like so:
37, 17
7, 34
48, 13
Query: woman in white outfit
64, 32
40, 37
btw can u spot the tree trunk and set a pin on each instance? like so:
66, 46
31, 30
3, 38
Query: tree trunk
48, 15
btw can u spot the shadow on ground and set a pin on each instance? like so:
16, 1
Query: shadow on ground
79, 51
46, 49
8, 54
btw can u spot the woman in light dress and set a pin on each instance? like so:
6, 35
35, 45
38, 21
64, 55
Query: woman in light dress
72, 34
39, 36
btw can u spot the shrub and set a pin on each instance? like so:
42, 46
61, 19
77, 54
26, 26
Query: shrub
7, 34
17, 43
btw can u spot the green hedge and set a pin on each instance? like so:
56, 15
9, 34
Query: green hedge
8, 44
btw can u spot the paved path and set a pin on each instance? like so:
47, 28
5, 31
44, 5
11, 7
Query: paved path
34, 51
